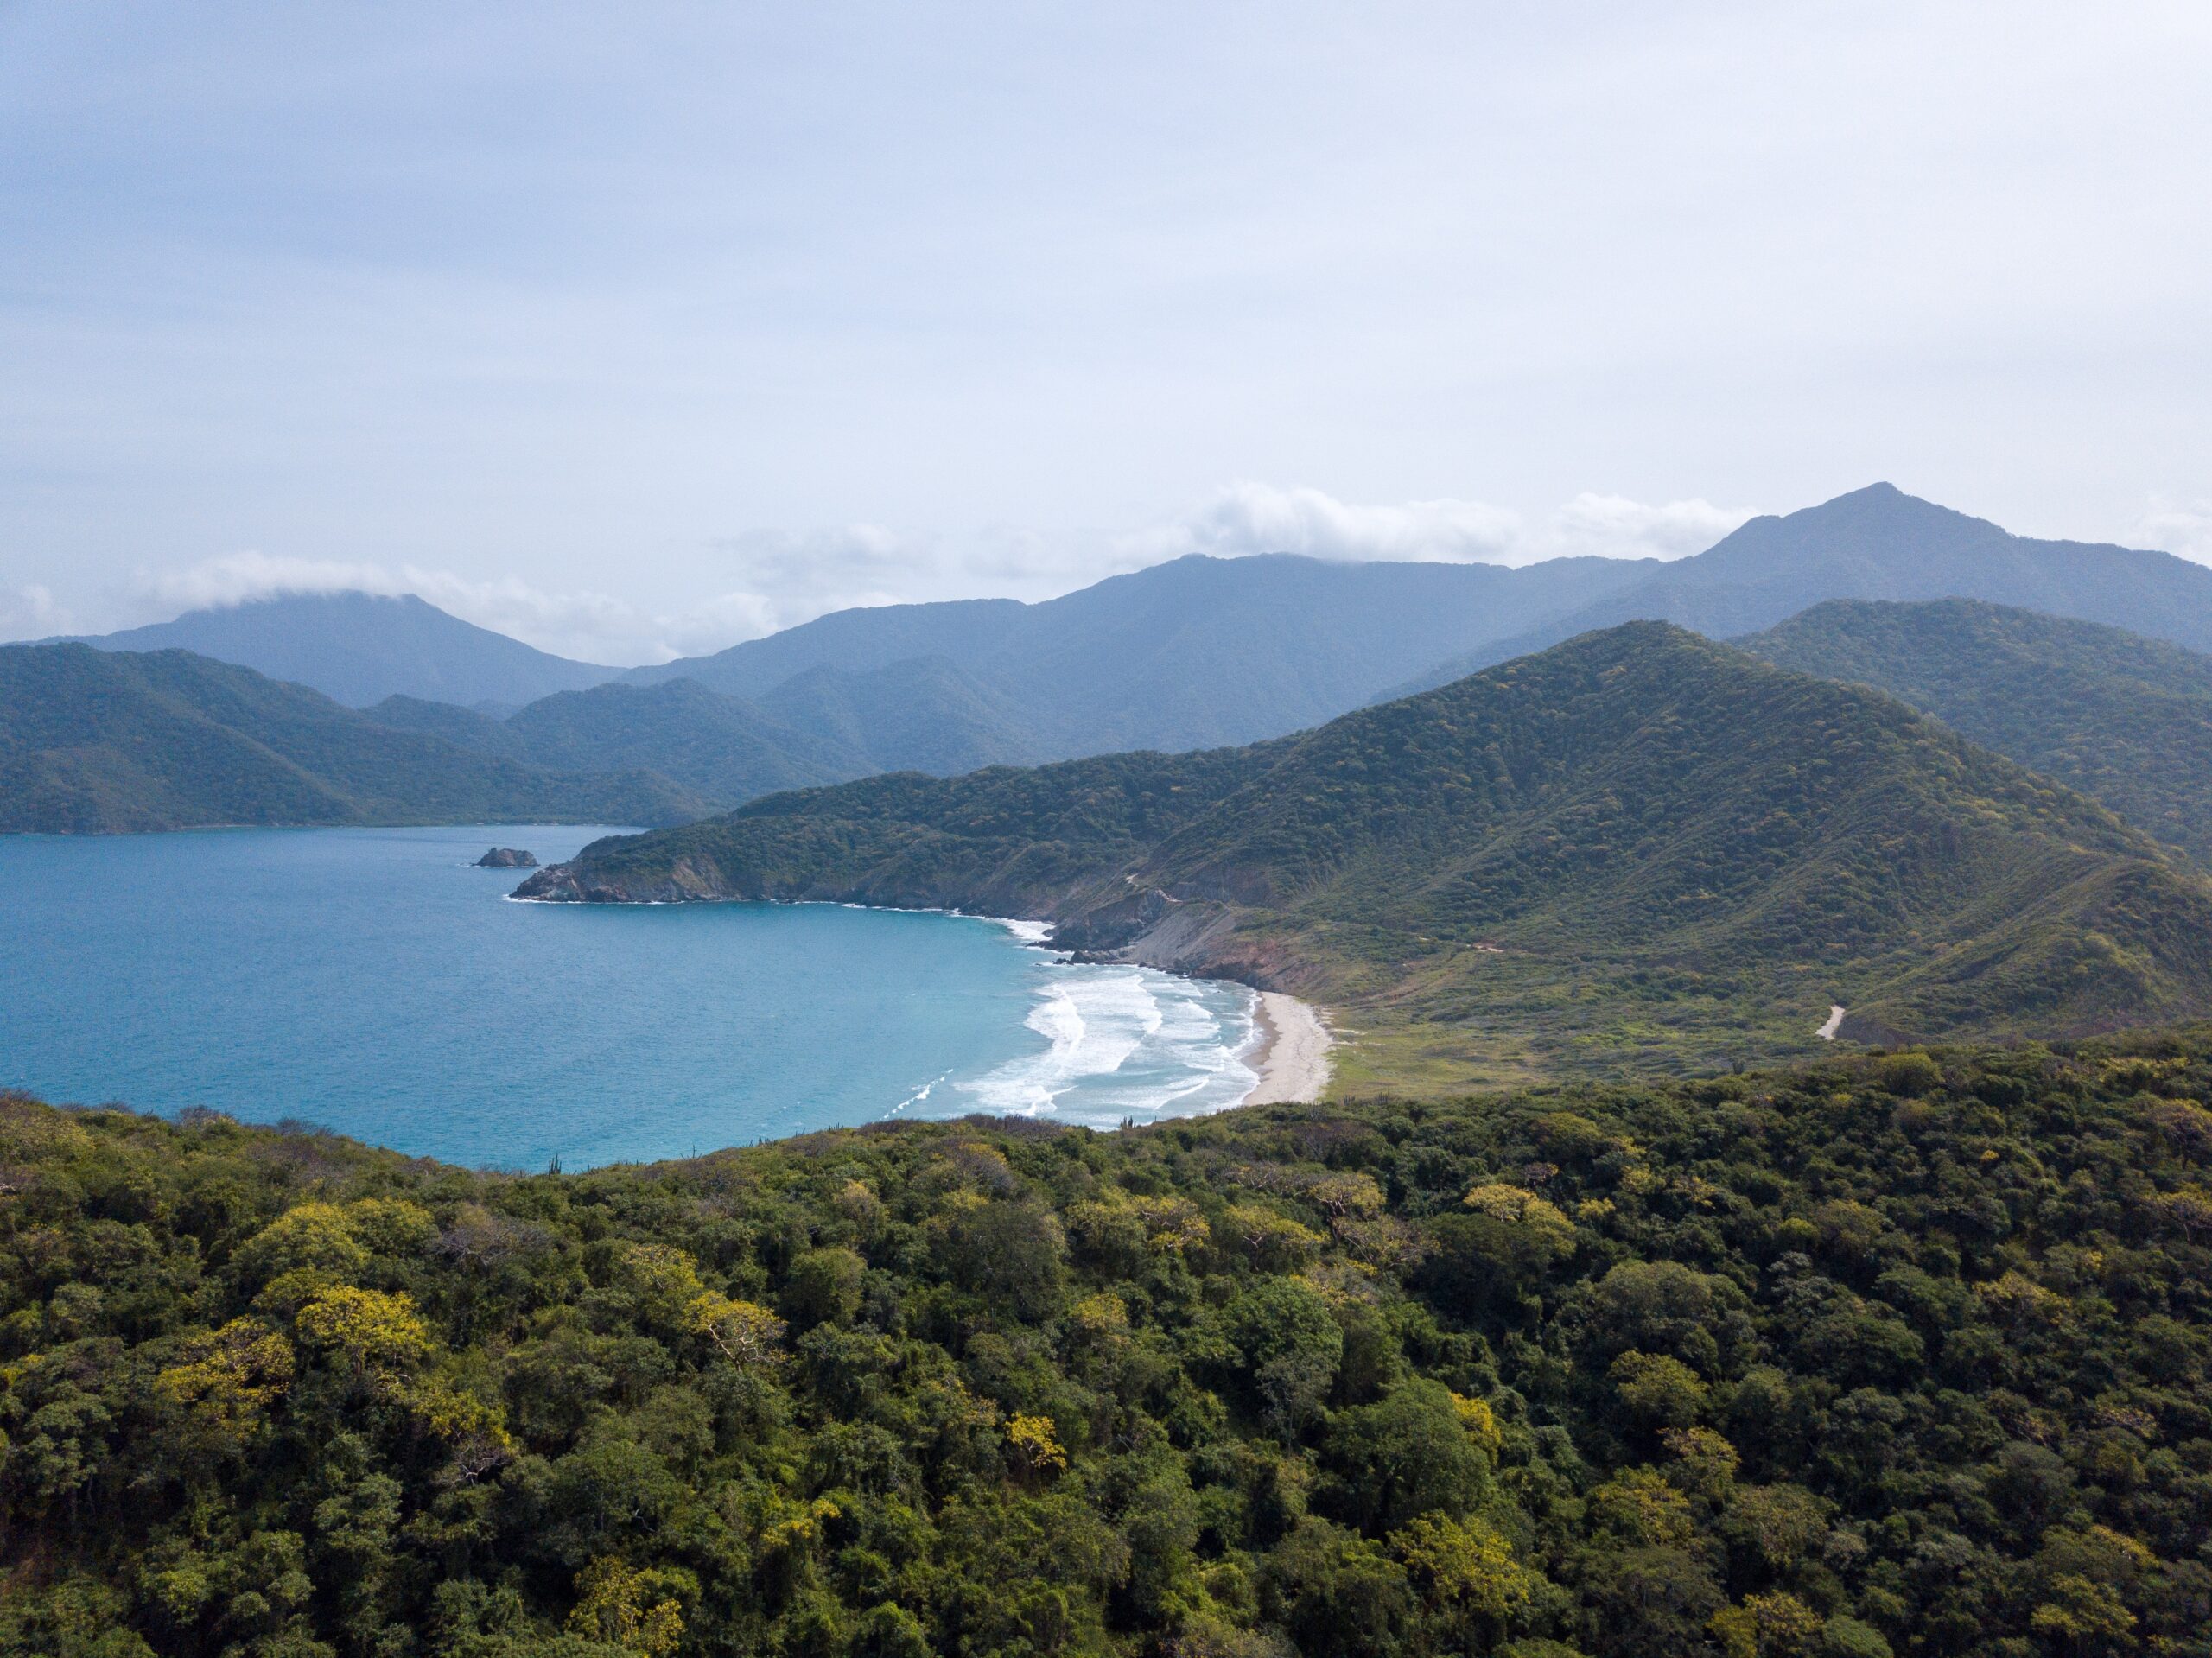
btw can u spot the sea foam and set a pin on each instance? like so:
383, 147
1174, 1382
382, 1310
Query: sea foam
1123, 1042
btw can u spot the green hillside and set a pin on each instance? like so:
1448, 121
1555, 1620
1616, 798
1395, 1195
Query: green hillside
1638, 848
1908, 1354
722, 749
2124, 719
924, 715
463, 728
106, 742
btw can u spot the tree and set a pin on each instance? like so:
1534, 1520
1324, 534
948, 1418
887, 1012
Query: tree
626, 1608
370, 1329
749, 1337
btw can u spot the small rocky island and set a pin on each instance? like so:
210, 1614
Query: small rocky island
507, 857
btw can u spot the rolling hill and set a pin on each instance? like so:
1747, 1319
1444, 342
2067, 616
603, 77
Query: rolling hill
359, 648
1639, 848
2124, 719
104, 742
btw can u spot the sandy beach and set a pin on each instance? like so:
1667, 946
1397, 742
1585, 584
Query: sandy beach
1293, 1057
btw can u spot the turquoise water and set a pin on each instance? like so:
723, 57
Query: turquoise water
371, 981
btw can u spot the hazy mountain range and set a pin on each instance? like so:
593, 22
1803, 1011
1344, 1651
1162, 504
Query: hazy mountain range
1203, 652
359, 648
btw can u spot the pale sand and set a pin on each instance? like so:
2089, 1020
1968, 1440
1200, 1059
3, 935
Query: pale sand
1827, 1032
1293, 1057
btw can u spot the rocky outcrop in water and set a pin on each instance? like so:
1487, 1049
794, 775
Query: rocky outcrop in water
507, 857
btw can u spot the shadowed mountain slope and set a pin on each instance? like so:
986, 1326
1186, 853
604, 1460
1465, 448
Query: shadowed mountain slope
462, 727
94, 741
359, 648
924, 714
822, 725
1636, 849
726, 750
2122, 718
1190, 654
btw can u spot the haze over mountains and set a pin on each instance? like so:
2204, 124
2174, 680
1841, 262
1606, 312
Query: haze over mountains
1204, 651
359, 648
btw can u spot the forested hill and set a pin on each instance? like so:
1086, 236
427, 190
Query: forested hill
1637, 847
107, 742
2125, 719
1908, 1354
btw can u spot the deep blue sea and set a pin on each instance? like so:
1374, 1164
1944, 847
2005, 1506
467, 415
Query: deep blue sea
371, 981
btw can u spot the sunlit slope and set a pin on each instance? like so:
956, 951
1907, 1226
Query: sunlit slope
1637, 847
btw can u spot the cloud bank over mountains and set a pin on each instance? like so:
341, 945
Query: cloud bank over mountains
778, 579
1254, 517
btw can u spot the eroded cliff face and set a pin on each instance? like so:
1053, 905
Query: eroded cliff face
1113, 921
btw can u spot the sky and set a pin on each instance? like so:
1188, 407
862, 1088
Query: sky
635, 331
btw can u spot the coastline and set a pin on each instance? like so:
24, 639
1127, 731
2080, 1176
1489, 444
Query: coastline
1293, 1057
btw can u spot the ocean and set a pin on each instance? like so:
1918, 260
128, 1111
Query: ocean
372, 982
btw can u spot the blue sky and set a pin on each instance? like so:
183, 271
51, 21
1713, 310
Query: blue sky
640, 329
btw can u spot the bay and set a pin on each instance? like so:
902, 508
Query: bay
371, 981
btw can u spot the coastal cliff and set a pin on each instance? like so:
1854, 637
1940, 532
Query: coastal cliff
1144, 927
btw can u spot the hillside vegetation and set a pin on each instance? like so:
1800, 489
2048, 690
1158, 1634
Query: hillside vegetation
822, 726
2124, 719
108, 742
1637, 849
1904, 1354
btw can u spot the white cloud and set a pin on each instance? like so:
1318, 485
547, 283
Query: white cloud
2177, 527
31, 613
1254, 517
782, 580
1612, 526
776, 578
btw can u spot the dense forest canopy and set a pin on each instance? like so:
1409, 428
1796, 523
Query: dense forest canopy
1904, 1353
2124, 719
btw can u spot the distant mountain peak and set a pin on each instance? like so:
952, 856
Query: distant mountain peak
359, 648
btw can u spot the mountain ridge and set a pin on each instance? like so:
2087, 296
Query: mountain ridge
1640, 821
1874, 544
359, 648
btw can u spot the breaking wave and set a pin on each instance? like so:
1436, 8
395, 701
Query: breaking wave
1121, 1044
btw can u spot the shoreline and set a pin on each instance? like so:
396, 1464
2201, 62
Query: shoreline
1293, 1060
